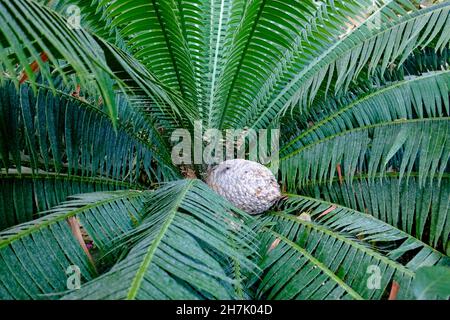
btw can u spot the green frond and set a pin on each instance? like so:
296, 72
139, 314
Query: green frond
400, 32
29, 29
418, 66
155, 34
37, 254
423, 212
187, 231
225, 17
425, 96
60, 133
269, 35
91, 18
395, 243
291, 272
331, 257
426, 60
165, 104
23, 195
421, 144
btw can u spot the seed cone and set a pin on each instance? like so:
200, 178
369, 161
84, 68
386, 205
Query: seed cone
248, 185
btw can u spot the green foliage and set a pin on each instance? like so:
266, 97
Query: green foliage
332, 256
25, 196
423, 96
372, 149
38, 253
62, 134
31, 29
432, 283
360, 94
420, 211
180, 247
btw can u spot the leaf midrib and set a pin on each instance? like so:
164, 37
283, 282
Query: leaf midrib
119, 124
372, 253
363, 177
216, 56
241, 61
74, 178
140, 273
319, 264
368, 216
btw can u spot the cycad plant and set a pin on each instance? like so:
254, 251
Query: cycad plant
92, 205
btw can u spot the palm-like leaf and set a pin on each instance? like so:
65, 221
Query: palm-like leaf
44, 126
82, 51
21, 19
402, 204
425, 96
38, 253
68, 140
371, 150
273, 35
173, 257
346, 58
330, 257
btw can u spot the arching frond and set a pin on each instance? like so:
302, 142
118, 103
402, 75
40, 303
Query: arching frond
270, 34
187, 232
34, 36
64, 134
91, 17
426, 96
342, 61
37, 254
24, 196
30, 30
155, 34
421, 211
332, 257
225, 16
422, 143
